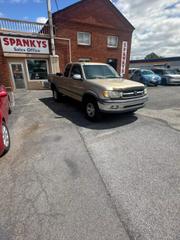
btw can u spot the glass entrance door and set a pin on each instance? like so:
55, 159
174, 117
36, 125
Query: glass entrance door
18, 75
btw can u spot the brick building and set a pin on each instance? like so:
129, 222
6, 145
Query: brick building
89, 30
93, 30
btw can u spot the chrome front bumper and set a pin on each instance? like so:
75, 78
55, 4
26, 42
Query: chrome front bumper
121, 105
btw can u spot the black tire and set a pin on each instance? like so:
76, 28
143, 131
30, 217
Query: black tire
5, 138
91, 109
56, 95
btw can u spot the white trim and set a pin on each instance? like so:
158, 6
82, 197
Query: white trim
21, 55
84, 44
26, 66
124, 57
23, 72
70, 51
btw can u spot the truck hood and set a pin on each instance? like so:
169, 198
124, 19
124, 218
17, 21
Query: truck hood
113, 84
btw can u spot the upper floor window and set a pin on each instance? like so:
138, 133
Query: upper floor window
112, 41
84, 38
84, 60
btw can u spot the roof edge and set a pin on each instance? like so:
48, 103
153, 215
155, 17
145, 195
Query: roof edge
108, 2
155, 60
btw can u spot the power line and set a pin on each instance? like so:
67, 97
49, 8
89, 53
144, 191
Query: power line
57, 5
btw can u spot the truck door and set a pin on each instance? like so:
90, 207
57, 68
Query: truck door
62, 82
76, 85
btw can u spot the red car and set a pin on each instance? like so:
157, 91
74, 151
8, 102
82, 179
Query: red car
4, 112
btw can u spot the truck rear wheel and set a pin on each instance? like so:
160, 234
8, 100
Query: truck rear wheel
91, 109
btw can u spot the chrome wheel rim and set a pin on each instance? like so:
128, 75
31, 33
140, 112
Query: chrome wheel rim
5, 136
90, 110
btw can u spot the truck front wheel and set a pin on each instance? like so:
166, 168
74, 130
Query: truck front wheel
91, 109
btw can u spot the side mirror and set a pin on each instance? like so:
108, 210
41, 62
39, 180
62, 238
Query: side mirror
3, 93
77, 77
59, 74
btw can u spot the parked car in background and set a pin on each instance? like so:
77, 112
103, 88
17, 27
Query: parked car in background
4, 112
131, 71
168, 76
146, 77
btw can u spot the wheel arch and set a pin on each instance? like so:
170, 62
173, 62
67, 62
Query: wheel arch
89, 95
2, 118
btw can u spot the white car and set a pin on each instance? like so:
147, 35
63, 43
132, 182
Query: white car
168, 76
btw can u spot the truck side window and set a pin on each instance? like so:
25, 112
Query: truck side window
76, 69
66, 72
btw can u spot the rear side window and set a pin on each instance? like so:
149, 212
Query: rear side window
66, 72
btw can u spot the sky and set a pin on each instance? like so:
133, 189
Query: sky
157, 22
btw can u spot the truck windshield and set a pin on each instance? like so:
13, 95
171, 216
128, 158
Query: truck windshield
99, 71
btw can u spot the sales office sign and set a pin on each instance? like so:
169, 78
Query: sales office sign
24, 45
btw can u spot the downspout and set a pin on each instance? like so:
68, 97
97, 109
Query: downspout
69, 41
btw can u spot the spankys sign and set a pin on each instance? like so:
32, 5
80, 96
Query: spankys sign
24, 45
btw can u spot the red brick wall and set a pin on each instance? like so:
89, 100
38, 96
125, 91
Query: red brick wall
100, 23
4, 71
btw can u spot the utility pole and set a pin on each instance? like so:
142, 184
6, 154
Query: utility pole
51, 27
54, 59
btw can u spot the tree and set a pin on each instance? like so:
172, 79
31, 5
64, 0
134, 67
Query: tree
152, 56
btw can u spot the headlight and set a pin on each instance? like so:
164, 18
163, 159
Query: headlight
112, 94
145, 91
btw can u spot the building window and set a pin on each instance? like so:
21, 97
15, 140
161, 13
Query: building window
37, 69
112, 41
84, 60
84, 38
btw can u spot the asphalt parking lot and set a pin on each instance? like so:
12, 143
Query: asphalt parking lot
67, 178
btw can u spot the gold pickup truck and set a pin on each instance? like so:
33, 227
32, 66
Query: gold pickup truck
99, 88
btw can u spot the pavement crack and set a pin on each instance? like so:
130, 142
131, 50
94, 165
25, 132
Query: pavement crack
165, 122
124, 225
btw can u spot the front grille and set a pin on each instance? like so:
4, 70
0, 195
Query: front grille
132, 93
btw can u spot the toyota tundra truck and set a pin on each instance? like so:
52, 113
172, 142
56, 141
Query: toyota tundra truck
99, 88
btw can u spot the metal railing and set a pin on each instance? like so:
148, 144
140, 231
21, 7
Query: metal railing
18, 27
